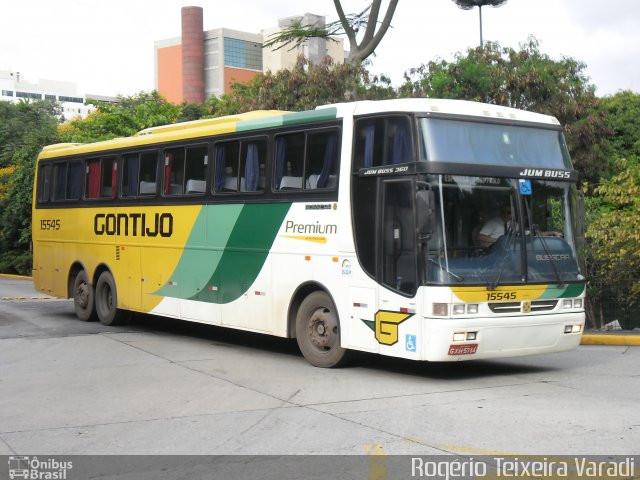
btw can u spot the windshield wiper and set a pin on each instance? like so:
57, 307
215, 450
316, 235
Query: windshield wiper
502, 260
535, 232
457, 277
543, 242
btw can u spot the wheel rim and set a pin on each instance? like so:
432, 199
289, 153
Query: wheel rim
82, 295
322, 329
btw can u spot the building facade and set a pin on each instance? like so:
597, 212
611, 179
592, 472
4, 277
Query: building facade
14, 88
201, 63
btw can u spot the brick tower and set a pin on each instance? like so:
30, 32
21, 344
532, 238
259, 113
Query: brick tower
192, 55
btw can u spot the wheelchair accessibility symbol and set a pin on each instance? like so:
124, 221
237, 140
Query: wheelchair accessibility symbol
525, 186
410, 343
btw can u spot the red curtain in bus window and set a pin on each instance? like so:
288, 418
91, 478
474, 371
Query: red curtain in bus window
93, 179
168, 164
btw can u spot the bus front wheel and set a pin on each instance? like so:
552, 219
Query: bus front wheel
318, 331
107, 301
84, 298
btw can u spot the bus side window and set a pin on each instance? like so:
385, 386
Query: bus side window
289, 161
59, 181
130, 174
92, 179
174, 163
148, 173
196, 164
321, 164
74, 181
253, 156
382, 141
226, 167
109, 175
44, 183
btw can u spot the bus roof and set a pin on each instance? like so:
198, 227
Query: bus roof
461, 108
195, 129
271, 118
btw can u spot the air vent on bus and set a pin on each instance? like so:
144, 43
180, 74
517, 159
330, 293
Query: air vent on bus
516, 307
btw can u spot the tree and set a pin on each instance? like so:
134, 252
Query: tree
525, 79
613, 218
469, 4
622, 111
24, 129
125, 117
614, 237
350, 25
303, 87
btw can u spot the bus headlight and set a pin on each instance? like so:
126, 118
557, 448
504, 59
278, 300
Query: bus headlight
458, 309
472, 308
572, 303
441, 309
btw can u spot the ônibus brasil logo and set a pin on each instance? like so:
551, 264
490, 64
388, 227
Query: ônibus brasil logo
37, 469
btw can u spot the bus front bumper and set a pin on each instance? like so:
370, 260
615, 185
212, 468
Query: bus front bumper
451, 340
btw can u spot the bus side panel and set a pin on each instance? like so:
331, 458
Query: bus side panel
42, 268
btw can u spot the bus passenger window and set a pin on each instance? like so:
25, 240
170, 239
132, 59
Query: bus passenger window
74, 181
59, 181
321, 165
44, 183
253, 157
92, 179
382, 141
226, 167
108, 183
289, 161
148, 173
130, 171
174, 171
196, 164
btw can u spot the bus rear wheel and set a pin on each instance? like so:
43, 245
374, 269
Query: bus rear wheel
107, 301
84, 298
318, 331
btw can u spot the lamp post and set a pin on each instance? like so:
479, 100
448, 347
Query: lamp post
469, 4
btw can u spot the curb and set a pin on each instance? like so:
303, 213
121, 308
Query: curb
607, 339
17, 277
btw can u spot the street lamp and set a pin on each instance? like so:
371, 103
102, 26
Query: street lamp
469, 4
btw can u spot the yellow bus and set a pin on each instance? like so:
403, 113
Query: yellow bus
366, 226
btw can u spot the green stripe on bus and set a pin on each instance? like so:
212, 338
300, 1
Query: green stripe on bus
288, 119
225, 252
568, 291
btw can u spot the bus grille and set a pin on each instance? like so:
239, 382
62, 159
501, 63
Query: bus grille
516, 307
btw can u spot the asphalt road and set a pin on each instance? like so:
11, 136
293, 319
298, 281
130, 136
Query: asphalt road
158, 386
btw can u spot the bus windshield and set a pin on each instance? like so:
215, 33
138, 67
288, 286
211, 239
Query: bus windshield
492, 231
462, 141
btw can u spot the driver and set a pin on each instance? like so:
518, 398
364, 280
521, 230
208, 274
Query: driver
495, 227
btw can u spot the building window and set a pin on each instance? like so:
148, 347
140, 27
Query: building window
50, 97
7, 93
63, 98
242, 54
35, 96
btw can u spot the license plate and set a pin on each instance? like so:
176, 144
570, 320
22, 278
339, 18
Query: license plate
467, 349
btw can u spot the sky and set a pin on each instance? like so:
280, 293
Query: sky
107, 48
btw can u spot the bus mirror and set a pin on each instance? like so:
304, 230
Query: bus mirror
425, 205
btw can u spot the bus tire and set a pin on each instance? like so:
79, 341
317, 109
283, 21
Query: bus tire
84, 298
107, 300
318, 331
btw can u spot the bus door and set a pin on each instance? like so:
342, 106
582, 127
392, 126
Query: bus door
385, 237
397, 322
